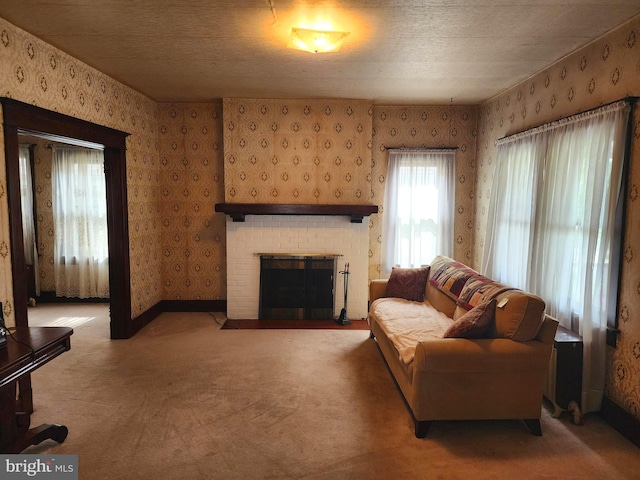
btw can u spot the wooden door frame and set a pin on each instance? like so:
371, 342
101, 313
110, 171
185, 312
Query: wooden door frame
19, 116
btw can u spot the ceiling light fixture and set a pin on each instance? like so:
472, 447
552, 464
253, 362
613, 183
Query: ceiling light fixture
316, 41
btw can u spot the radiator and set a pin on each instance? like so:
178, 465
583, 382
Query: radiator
564, 381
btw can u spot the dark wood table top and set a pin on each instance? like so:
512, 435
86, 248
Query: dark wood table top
29, 348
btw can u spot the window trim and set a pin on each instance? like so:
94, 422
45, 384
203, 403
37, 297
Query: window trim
617, 249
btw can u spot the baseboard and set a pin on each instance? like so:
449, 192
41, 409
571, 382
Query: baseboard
175, 306
194, 305
621, 420
143, 319
51, 297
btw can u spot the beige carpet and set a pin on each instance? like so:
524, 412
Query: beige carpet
288, 324
184, 399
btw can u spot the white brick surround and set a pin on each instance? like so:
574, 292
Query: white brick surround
295, 234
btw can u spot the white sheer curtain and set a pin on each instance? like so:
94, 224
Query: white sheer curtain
81, 253
418, 215
512, 210
551, 224
28, 221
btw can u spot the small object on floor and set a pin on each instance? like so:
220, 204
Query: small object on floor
342, 319
577, 414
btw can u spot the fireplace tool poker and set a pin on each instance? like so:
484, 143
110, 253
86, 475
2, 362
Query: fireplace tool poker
342, 319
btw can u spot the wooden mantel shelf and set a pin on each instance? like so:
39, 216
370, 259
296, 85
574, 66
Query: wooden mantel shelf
237, 211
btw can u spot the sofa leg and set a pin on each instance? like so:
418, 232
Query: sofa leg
533, 424
421, 428
371, 335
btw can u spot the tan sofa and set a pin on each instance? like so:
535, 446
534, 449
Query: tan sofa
499, 376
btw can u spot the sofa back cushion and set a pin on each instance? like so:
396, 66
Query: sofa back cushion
479, 289
440, 301
446, 280
454, 289
449, 276
520, 318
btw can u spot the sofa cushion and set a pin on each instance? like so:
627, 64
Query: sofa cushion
407, 323
475, 323
407, 283
440, 301
519, 316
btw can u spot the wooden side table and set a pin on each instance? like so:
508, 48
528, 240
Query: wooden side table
27, 349
565, 376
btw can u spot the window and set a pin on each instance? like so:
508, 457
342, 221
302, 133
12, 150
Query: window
81, 251
551, 224
418, 210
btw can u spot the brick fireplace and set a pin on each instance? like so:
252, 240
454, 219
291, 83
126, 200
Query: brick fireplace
295, 234
297, 176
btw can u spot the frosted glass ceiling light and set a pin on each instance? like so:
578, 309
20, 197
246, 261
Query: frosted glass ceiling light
316, 41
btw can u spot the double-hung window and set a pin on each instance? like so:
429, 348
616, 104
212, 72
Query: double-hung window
417, 220
81, 252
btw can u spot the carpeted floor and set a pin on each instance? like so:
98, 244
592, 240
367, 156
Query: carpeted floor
184, 399
294, 324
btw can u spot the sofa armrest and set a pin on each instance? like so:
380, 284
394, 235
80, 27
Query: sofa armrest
547, 332
499, 355
377, 289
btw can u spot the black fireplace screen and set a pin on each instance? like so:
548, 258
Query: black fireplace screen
297, 288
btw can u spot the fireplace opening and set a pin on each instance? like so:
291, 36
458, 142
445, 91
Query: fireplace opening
297, 287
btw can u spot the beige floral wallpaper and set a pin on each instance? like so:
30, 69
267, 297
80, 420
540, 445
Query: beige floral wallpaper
176, 174
449, 126
331, 151
38, 73
192, 176
297, 151
606, 70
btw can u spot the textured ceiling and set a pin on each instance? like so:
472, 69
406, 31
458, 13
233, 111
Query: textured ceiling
398, 52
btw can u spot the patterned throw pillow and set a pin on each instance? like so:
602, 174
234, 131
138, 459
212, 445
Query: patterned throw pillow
475, 323
407, 283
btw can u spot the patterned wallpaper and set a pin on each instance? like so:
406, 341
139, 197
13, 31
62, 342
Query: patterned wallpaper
431, 127
603, 71
38, 73
332, 151
193, 235
347, 164
297, 151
